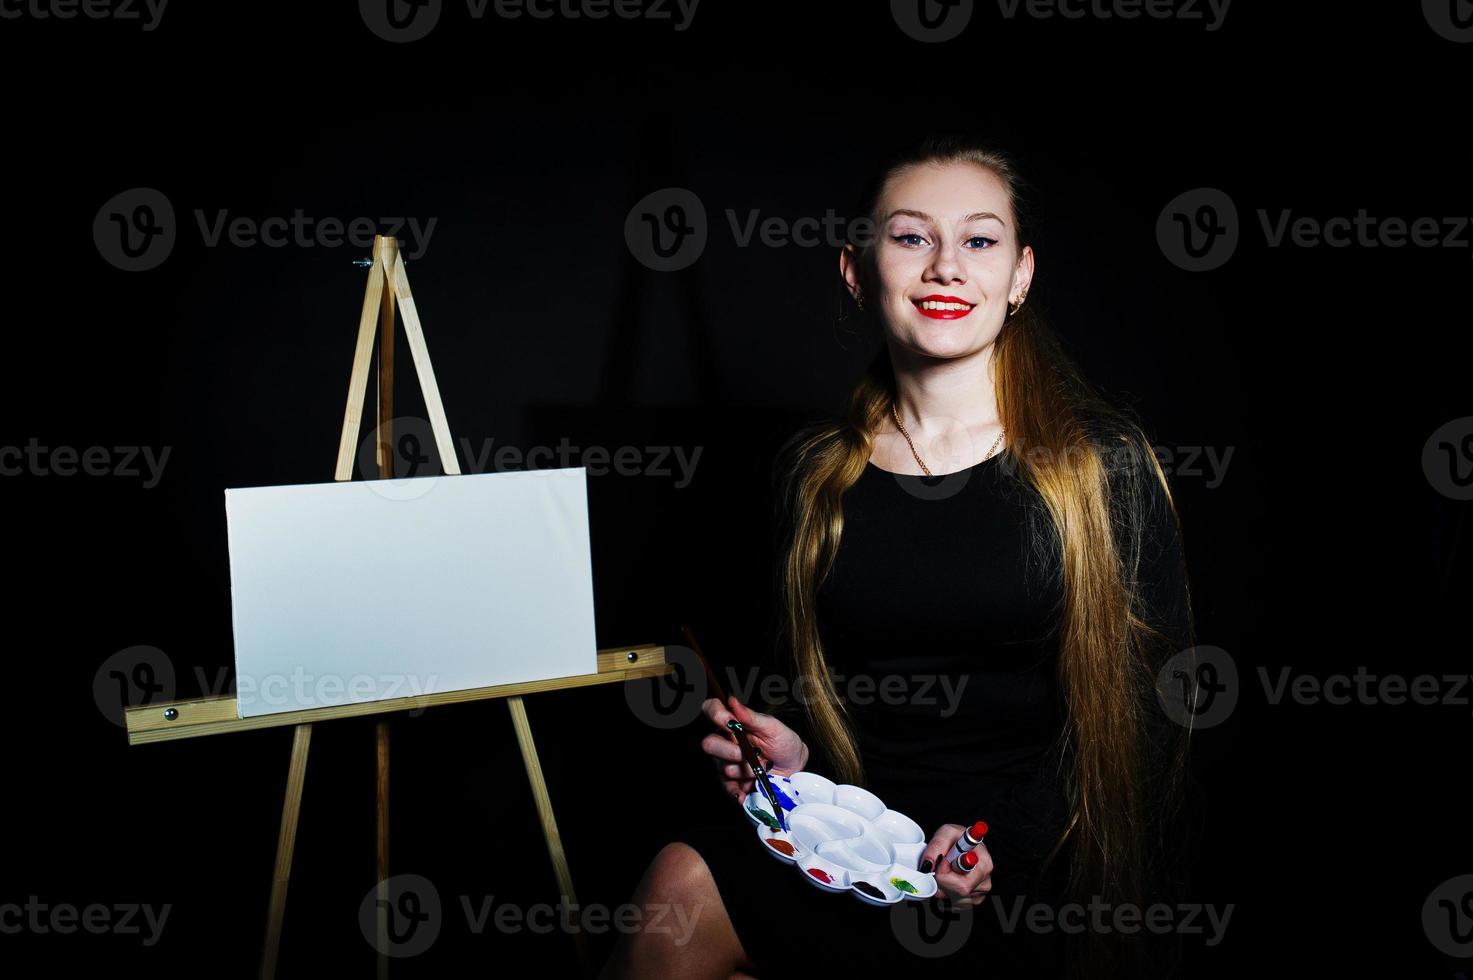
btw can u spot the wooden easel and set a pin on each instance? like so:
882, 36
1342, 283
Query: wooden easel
166, 721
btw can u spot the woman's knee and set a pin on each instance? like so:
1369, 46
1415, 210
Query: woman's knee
678, 872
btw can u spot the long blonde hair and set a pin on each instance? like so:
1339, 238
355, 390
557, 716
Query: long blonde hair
1126, 781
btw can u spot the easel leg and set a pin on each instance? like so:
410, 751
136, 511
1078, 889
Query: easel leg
285, 843
381, 731
549, 822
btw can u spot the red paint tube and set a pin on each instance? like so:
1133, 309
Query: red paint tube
969, 839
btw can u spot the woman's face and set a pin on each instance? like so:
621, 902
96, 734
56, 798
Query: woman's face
947, 258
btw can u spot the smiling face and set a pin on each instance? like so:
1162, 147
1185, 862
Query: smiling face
945, 262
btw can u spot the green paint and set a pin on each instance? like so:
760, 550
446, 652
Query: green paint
903, 885
764, 816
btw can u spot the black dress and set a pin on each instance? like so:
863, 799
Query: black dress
939, 620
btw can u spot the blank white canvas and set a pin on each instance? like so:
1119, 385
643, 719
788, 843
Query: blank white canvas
375, 589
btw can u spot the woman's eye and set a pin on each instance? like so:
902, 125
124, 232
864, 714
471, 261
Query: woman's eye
982, 238
904, 239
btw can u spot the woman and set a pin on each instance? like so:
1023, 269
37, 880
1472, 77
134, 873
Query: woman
994, 545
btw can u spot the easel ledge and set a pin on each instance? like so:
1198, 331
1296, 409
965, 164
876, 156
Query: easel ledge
166, 721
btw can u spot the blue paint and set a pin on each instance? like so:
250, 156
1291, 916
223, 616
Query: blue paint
783, 799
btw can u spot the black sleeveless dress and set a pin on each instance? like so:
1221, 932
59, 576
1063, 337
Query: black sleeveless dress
939, 620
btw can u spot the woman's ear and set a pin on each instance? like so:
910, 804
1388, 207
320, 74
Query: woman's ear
849, 271
1023, 274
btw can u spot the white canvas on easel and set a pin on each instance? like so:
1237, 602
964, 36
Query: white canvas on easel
374, 589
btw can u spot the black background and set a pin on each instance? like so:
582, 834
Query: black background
1324, 371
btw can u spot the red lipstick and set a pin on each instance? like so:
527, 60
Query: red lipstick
950, 308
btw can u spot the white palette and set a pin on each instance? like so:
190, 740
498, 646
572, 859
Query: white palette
843, 837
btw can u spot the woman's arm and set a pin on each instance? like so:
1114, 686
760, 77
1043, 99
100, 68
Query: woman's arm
1151, 542
1151, 545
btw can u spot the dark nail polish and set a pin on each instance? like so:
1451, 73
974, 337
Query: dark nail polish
926, 866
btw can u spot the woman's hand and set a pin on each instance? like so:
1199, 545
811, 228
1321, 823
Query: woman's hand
962, 890
782, 751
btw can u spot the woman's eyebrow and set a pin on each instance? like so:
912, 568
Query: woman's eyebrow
974, 216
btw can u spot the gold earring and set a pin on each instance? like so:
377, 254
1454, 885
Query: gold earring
1012, 310
859, 298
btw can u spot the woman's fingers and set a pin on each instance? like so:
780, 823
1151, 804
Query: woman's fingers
971, 889
737, 773
941, 842
736, 776
722, 748
749, 717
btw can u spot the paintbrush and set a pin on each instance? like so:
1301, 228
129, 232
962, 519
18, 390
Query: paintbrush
739, 732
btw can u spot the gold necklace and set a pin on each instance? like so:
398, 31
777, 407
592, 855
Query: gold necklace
895, 411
